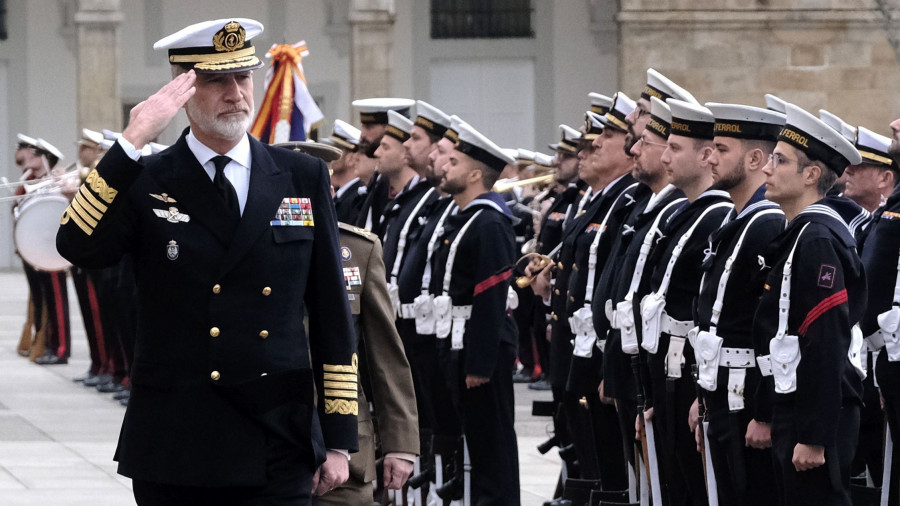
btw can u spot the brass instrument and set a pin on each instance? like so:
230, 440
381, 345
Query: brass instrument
508, 184
544, 261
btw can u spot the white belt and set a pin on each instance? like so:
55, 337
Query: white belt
876, 340
743, 358
610, 309
675, 327
765, 365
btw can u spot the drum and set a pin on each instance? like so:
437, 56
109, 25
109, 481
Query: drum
35, 231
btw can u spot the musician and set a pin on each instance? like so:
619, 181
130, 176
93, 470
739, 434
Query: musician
48, 286
25, 151
234, 242
803, 328
471, 273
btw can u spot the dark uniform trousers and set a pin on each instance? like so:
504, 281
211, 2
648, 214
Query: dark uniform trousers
225, 378
51, 301
744, 475
888, 374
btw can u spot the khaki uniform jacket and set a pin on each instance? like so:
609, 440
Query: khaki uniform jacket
383, 364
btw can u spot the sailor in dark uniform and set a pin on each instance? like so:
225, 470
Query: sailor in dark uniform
723, 342
470, 280
881, 320
670, 282
234, 242
814, 293
349, 189
374, 119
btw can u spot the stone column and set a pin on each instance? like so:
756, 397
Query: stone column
371, 48
99, 104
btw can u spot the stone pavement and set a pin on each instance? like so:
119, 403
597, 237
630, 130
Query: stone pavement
57, 438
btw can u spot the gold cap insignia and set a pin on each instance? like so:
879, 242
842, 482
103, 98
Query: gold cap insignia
229, 38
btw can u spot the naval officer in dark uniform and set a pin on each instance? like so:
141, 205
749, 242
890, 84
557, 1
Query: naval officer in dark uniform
234, 242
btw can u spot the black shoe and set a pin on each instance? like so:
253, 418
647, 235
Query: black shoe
81, 379
523, 376
124, 394
540, 385
111, 387
51, 360
97, 380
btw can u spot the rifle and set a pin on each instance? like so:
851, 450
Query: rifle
703, 424
648, 443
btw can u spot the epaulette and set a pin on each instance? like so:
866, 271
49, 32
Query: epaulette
365, 234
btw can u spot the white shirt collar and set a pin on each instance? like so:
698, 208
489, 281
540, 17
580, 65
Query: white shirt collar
240, 153
346, 186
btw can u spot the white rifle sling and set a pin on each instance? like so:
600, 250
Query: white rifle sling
888, 334
424, 303
625, 308
653, 312
708, 349
784, 349
582, 322
451, 319
404, 311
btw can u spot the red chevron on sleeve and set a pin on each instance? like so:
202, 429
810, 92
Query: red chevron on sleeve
492, 281
833, 300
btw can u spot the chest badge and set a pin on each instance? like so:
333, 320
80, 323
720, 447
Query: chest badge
172, 250
345, 254
163, 197
352, 277
172, 215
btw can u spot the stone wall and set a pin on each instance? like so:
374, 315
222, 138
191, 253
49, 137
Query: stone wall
830, 54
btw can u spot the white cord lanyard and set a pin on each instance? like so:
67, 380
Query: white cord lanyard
401, 243
645, 249
784, 302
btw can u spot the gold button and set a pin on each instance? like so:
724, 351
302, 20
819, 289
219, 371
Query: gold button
559, 265
215, 375
574, 267
446, 241
217, 288
264, 334
556, 291
214, 332
267, 291
553, 315
572, 298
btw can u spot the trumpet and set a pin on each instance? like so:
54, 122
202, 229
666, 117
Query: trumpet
509, 184
70, 178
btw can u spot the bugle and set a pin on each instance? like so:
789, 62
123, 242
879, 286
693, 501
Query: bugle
508, 184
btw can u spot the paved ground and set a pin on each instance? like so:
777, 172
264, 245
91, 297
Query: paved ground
57, 438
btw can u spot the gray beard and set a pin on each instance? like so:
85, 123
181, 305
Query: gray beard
231, 129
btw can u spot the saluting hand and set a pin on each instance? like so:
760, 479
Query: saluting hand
149, 118
808, 457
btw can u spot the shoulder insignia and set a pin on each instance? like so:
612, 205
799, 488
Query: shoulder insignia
350, 229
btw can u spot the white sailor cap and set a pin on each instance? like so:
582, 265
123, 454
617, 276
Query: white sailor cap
691, 120
841, 126
472, 143
49, 149
156, 147
660, 121
776, 104
373, 111
312, 148
510, 152
819, 141
746, 122
524, 156
90, 138
662, 87
218, 46
343, 135
452, 133
593, 125
873, 148
544, 160
399, 126
26, 141
600, 104
569, 140
432, 119
622, 107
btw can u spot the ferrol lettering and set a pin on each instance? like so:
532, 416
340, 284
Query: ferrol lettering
658, 127
653, 93
681, 127
795, 137
727, 127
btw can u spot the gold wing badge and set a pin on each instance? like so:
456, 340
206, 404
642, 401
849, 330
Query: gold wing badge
172, 215
164, 197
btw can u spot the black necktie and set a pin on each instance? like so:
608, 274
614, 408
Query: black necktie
223, 185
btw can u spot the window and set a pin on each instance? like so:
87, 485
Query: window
481, 19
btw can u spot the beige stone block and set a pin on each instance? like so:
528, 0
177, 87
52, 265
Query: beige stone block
794, 37
882, 53
849, 54
807, 55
